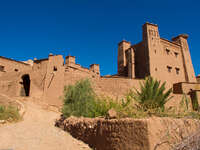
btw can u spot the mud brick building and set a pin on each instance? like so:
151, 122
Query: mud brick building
165, 60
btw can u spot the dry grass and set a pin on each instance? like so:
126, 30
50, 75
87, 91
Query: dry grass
9, 113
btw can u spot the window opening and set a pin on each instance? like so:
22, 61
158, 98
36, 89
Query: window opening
2, 68
177, 70
168, 51
169, 69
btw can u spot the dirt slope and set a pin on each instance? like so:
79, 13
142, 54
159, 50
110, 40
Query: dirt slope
37, 132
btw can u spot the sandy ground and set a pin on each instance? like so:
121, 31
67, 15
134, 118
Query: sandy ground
37, 132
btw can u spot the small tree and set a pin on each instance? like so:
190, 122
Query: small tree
152, 94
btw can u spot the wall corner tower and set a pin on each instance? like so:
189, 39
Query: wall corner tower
123, 46
187, 62
152, 45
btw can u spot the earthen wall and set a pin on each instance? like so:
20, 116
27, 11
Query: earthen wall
54, 80
10, 65
141, 60
40, 65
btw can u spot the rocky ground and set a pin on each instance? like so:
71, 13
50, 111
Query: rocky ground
37, 132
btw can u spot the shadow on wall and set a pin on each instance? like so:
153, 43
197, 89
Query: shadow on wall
25, 90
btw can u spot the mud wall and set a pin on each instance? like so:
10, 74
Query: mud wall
11, 83
113, 87
12, 65
101, 134
130, 134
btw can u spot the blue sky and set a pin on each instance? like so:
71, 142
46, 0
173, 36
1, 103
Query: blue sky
92, 29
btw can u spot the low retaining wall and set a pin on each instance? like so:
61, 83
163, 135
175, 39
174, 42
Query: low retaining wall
103, 134
129, 134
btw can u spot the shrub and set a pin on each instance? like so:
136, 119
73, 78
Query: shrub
81, 100
152, 94
9, 113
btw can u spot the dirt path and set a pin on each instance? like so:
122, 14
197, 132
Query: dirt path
37, 132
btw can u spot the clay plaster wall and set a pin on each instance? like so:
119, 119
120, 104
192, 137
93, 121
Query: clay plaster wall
93, 70
12, 65
187, 61
122, 47
40, 65
11, 83
103, 134
165, 57
113, 87
8, 87
48, 78
54, 80
1, 73
130, 134
167, 62
141, 60
162, 59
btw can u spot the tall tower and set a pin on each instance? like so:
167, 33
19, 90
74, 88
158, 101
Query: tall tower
152, 46
130, 59
122, 47
187, 62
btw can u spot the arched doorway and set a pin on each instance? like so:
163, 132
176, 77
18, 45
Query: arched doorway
26, 85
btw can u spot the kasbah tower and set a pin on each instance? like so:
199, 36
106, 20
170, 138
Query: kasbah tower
165, 60
169, 61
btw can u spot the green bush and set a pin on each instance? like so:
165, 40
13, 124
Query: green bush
151, 95
81, 100
9, 113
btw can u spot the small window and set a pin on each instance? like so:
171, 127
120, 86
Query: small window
55, 68
155, 51
167, 51
169, 69
177, 70
156, 69
16, 70
176, 54
2, 68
